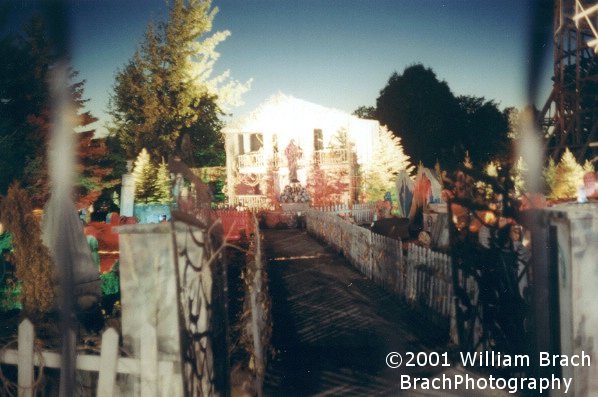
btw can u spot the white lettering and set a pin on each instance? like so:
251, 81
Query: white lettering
567, 382
544, 359
405, 382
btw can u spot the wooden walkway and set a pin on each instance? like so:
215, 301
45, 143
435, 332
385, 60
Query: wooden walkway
333, 328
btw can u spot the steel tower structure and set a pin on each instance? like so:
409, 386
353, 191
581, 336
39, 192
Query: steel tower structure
570, 115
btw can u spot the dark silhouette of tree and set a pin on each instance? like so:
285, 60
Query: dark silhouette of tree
423, 111
365, 112
437, 126
27, 60
485, 129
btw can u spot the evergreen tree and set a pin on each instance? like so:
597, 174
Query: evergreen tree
162, 184
145, 178
166, 91
388, 159
588, 167
568, 177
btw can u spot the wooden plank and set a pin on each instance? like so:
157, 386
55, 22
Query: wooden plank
125, 365
25, 359
108, 361
148, 357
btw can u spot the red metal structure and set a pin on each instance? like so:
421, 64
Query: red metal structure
570, 116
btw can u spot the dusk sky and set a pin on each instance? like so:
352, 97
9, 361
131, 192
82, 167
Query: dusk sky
339, 54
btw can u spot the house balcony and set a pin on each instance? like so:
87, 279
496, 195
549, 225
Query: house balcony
330, 156
253, 201
255, 160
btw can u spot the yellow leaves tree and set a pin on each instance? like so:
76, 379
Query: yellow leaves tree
565, 178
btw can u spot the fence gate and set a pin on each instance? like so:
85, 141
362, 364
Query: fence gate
201, 280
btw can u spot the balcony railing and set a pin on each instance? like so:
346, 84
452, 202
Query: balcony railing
330, 156
251, 160
322, 157
252, 201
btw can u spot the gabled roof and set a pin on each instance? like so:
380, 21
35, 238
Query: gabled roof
279, 109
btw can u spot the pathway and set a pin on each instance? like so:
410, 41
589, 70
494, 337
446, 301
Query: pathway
333, 328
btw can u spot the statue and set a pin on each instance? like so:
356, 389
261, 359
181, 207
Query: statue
293, 153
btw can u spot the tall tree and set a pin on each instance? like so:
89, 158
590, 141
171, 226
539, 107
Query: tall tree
25, 108
144, 174
437, 126
165, 99
423, 111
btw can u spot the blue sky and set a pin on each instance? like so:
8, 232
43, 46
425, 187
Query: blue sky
337, 53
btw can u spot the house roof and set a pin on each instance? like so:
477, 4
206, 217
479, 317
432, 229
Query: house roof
284, 109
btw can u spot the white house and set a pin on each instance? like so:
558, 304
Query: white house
257, 165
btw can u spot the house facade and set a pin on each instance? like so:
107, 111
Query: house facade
285, 140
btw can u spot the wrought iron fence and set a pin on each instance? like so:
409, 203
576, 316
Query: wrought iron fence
201, 278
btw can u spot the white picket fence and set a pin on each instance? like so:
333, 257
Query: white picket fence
155, 377
361, 213
429, 279
423, 277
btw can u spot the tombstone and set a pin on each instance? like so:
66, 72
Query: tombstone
148, 291
127, 192
571, 241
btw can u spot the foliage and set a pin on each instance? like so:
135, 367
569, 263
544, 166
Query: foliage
387, 160
424, 112
365, 112
162, 185
549, 174
485, 129
588, 167
165, 97
215, 178
10, 295
327, 186
487, 250
25, 108
32, 260
330, 185
495, 170
568, 176
110, 282
152, 184
437, 126
144, 177
96, 169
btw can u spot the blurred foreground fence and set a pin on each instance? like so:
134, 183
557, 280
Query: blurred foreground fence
152, 376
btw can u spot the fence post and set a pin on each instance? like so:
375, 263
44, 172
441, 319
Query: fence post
148, 361
25, 356
108, 363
